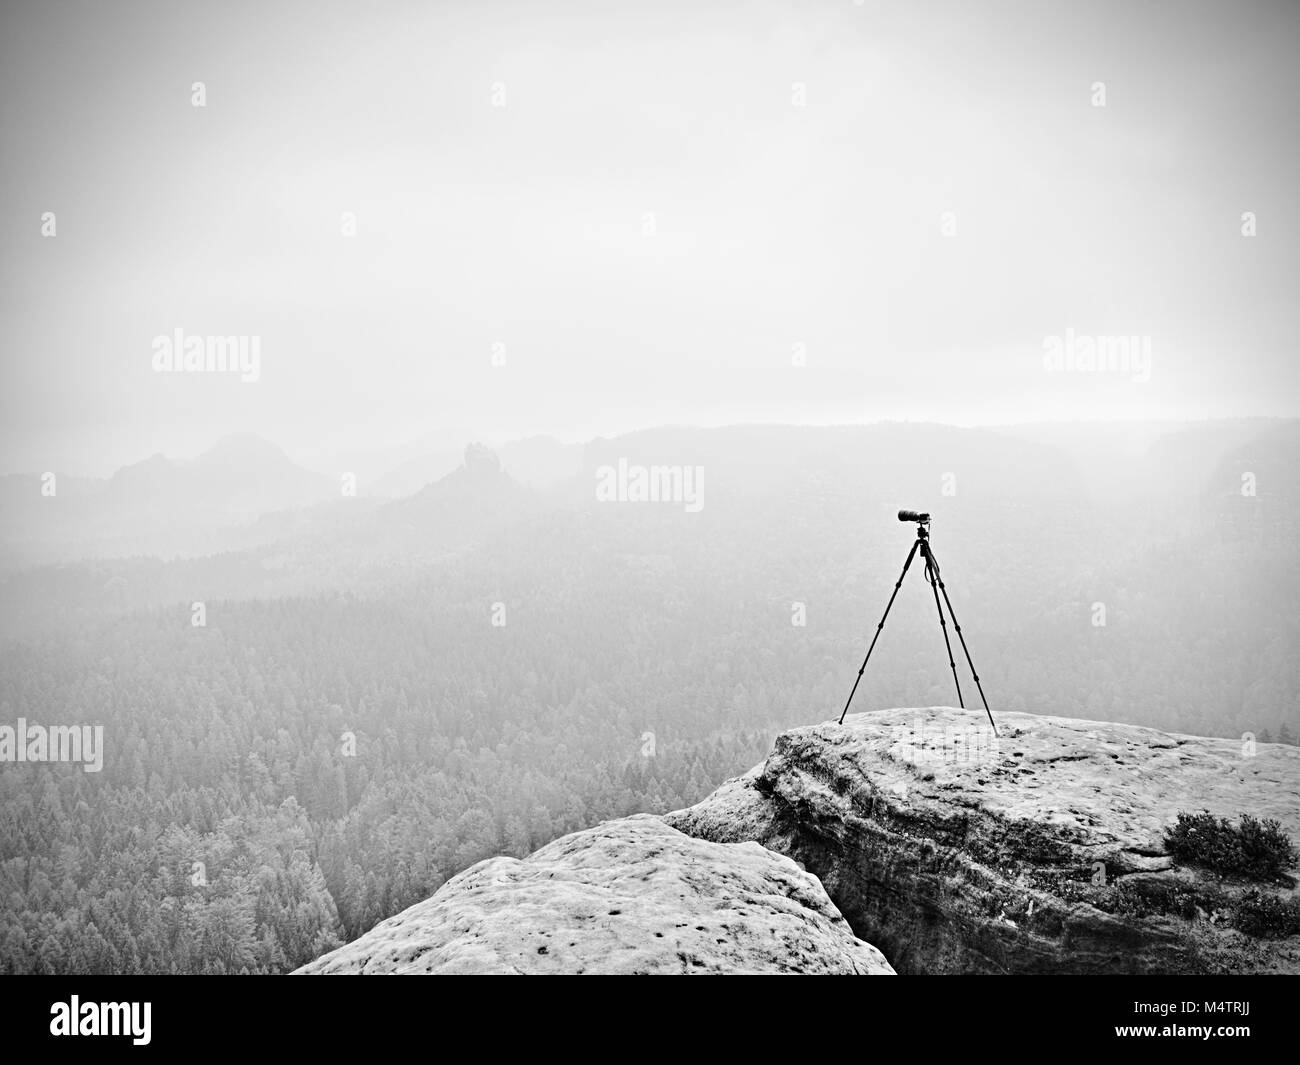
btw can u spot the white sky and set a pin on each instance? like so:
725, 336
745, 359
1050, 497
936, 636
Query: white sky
775, 225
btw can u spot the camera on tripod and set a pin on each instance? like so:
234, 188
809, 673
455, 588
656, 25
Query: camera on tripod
937, 587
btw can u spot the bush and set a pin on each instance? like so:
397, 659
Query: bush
1256, 849
1267, 916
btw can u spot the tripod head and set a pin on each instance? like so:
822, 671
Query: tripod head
922, 520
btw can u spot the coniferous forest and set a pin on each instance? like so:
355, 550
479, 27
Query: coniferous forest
369, 707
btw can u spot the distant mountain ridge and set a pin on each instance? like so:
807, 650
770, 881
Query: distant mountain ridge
245, 491
158, 506
243, 474
476, 498
537, 462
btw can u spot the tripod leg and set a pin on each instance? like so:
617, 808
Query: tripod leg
964, 648
932, 575
897, 584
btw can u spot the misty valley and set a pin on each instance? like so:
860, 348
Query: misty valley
379, 692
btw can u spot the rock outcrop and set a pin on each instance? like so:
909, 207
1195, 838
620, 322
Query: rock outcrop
1039, 852
628, 896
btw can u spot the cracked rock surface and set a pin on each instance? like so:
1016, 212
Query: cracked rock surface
628, 896
1039, 851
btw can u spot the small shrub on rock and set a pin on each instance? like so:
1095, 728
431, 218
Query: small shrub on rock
1266, 916
1256, 849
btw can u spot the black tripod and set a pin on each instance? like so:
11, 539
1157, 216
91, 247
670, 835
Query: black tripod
922, 544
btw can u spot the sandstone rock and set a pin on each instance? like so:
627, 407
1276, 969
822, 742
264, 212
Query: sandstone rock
628, 896
1040, 852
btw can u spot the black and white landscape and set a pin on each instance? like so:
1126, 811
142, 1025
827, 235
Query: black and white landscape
450, 458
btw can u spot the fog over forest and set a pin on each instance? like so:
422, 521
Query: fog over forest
428, 433
333, 708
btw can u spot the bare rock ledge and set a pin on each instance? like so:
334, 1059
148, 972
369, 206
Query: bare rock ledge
628, 896
1041, 852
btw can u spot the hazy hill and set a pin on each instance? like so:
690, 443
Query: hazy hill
537, 462
245, 491
475, 499
159, 506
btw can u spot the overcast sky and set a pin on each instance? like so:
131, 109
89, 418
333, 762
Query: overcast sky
649, 225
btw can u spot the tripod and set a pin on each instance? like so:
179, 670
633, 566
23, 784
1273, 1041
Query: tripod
922, 544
